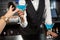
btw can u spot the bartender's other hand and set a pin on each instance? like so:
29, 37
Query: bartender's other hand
53, 34
10, 11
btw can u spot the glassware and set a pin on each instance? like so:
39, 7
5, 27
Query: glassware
21, 7
49, 26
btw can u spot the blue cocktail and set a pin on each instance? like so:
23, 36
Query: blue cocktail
49, 26
21, 7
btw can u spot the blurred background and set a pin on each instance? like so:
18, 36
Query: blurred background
15, 29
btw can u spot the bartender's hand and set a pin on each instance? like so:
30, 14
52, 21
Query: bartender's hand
21, 14
10, 11
53, 34
23, 19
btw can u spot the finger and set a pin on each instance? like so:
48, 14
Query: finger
21, 13
47, 33
16, 11
10, 7
54, 35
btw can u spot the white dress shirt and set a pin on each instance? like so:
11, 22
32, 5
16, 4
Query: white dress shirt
35, 4
48, 17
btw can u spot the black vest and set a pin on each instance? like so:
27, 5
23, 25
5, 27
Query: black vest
34, 18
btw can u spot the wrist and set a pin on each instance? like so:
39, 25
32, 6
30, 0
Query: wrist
6, 15
5, 18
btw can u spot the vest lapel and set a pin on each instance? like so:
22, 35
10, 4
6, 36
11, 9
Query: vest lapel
30, 9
